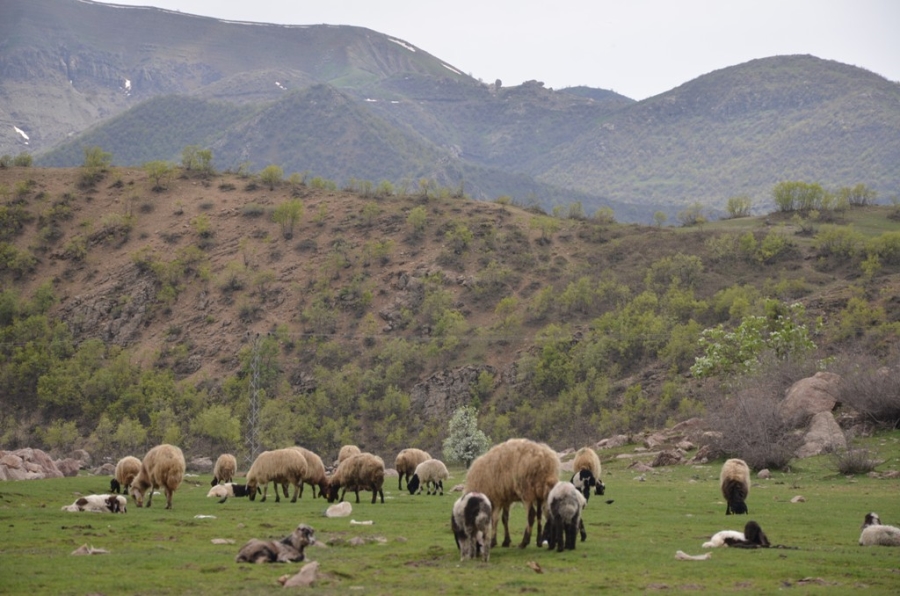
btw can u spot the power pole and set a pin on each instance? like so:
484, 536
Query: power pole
253, 416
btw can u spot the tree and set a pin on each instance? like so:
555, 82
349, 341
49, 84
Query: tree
739, 206
195, 159
859, 195
96, 163
465, 441
160, 172
287, 215
271, 176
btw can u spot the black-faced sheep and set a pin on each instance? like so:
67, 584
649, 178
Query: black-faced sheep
99, 504
346, 451
229, 489
752, 537
315, 473
225, 469
286, 550
431, 473
363, 471
735, 483
126, 469
163, 466
471, 523
586, 468
279, 466
518, 470
405, 463
874, 533
565, 504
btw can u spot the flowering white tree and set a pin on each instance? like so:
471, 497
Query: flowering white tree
465, 441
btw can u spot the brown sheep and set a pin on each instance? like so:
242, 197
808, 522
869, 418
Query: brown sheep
405, 463
163, 466
517, 470
280, 466
225, 469
315, 473
358, 472
126, 469
586, 468
346, 451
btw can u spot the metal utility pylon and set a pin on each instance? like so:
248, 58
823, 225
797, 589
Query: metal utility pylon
253, 415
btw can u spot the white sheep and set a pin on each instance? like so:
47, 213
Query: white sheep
126, 469
346, 451
874, 533
279, 466
564, 506
471, 523
518, 470
225, 469
363, 471
287, 550
405, 463
586, 468
163, 466
735, 483
229, 489
431, 473
99, 504
752, 537
315, 473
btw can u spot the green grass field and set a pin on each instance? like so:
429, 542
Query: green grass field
409, 548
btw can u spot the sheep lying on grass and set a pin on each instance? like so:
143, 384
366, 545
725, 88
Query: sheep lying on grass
225, 469
405, 463
586, 466
98, 504
287, 550
735, 483
229, 489
752, 537
280, 466
564, 506
126, 469
363, 471
431, 473
471, 523
163, 466
874, 533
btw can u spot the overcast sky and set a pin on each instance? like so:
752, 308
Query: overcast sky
638, 48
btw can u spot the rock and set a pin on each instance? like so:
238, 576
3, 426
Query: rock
810, 396
686, 445
640, 466
390, 473
704, 454
105, 470
613, 442
200, 465
823, 435
82, 456
764, 474
668, 457
442, 393
69, 467
27, 464
458, 488
308, 574
356, 541
655, 441
342, 509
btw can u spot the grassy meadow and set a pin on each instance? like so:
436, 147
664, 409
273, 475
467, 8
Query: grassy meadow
409, 547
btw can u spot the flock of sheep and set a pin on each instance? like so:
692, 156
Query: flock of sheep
516, 471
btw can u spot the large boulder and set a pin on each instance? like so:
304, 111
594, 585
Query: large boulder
68, 466
824, 435
27, 464
810, 396
201, 465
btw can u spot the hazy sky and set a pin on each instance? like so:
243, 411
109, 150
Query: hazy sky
638, 48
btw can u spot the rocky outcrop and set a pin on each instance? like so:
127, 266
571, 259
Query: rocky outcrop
27, 464
442, 393
810, 396
823, 436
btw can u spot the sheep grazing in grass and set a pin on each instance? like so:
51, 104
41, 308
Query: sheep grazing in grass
431, 474
752, 537
98, 504
279, 466
518, 470
287, 550
363, 471
874, 533
471, 523
735, 483
347, 451
315, 473
564, 506
405, 463
163, 466
225, 469
126, 469
586, 466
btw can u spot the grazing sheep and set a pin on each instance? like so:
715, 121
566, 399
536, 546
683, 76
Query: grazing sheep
735, 483
287, 550
363, 471
431, 473
471, 523
874, 533
564, 506
315, 473
586, 466
405, 463
346, 451
752, 537
517, 470
99, 504
163, 466
226, 468
126, 469
279, 466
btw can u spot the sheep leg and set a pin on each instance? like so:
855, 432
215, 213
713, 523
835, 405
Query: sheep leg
571, 531
298, 488
505, 518
400, 482
441, 486
581, 529
526, 537
150, 495
266, 493
169, 492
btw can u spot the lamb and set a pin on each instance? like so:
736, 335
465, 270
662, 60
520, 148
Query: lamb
280, 466
471, 523
517, 470
752, 537
405, 463
735, 483
99, 504
163, 466
287, 550
126, 469
229, 489
363, 471
315, 473
225, 469
430, 473
586, 466
874, 533
346, 451
563, 510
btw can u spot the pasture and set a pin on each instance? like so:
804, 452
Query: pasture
409, 547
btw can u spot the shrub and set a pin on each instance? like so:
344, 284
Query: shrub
870, 388
853, 461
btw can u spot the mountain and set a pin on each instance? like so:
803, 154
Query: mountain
347, 103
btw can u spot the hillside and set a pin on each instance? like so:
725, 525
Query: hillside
375, 314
